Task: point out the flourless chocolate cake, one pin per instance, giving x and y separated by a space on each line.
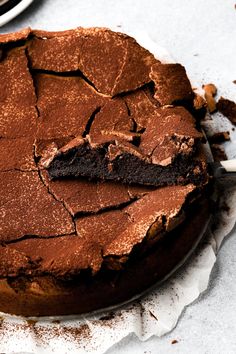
104 183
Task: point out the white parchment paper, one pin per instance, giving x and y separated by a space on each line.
155 314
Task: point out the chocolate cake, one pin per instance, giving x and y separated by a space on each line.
104 183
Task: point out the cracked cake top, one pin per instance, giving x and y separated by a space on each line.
61 86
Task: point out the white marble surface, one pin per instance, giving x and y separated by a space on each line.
201 34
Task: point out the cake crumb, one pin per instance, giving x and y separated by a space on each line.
174 341
219 137
218 152
227 108
199 102
210 92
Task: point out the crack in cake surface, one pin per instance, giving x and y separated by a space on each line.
84 197
33 146
89 235
17 101
26 201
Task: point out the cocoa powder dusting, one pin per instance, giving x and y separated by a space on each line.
225 207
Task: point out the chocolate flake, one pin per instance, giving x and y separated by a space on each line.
219 137
227 108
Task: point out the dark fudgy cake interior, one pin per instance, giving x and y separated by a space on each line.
91 102
165 153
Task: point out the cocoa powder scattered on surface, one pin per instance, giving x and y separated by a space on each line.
69 333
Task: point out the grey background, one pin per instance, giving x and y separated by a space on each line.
201 34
